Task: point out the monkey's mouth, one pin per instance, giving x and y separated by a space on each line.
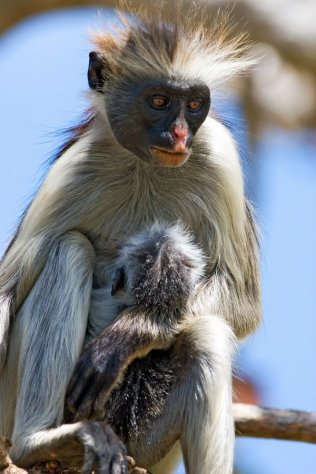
170 158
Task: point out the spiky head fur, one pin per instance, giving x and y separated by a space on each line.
163 41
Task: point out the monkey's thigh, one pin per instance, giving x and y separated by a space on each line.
141 409
47 337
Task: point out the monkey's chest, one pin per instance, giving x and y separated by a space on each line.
142 394
140 203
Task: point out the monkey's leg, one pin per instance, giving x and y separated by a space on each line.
170 462
198 410
46 340
208 434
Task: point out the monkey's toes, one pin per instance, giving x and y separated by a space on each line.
104 452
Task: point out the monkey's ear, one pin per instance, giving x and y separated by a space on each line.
96 71
118 281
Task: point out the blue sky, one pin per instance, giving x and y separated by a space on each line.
43 64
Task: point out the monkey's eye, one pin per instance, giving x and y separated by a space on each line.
159 101
195 105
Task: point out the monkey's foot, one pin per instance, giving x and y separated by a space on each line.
103 450
55 467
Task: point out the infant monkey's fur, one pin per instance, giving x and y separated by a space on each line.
142 335
158 271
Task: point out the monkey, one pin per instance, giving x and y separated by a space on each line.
151 151
159 269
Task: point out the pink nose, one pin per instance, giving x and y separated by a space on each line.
180 132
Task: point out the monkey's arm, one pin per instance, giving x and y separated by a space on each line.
233 289
53 212
103 362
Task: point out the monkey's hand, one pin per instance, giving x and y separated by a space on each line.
103 362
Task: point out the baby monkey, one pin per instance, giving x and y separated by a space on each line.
157 272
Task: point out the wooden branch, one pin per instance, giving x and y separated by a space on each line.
258 422
261 25
13 12
250 420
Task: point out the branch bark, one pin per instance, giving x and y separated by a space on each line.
261 24
258 422
250 420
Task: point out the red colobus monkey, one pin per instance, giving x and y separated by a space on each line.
135 268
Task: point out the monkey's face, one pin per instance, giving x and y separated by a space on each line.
157 121
154 119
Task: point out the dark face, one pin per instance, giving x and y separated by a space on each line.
157 120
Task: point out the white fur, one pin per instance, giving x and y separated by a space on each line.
209 421
38 368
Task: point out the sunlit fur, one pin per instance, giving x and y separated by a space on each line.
95 196
188 49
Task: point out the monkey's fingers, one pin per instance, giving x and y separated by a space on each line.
104 451
103 384
92 400
101 367
77 388
80 401
88 392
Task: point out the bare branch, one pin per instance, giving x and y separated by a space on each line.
247 14
258 422
250 420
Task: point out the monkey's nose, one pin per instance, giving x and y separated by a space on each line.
180 132
180 135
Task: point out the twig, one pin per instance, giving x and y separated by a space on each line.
258 422
250 420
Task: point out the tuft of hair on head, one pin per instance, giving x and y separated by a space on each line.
176 40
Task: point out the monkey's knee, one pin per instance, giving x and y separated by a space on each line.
76 246
162 265
211 341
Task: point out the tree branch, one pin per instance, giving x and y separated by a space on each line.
250 420
262 24
258 422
